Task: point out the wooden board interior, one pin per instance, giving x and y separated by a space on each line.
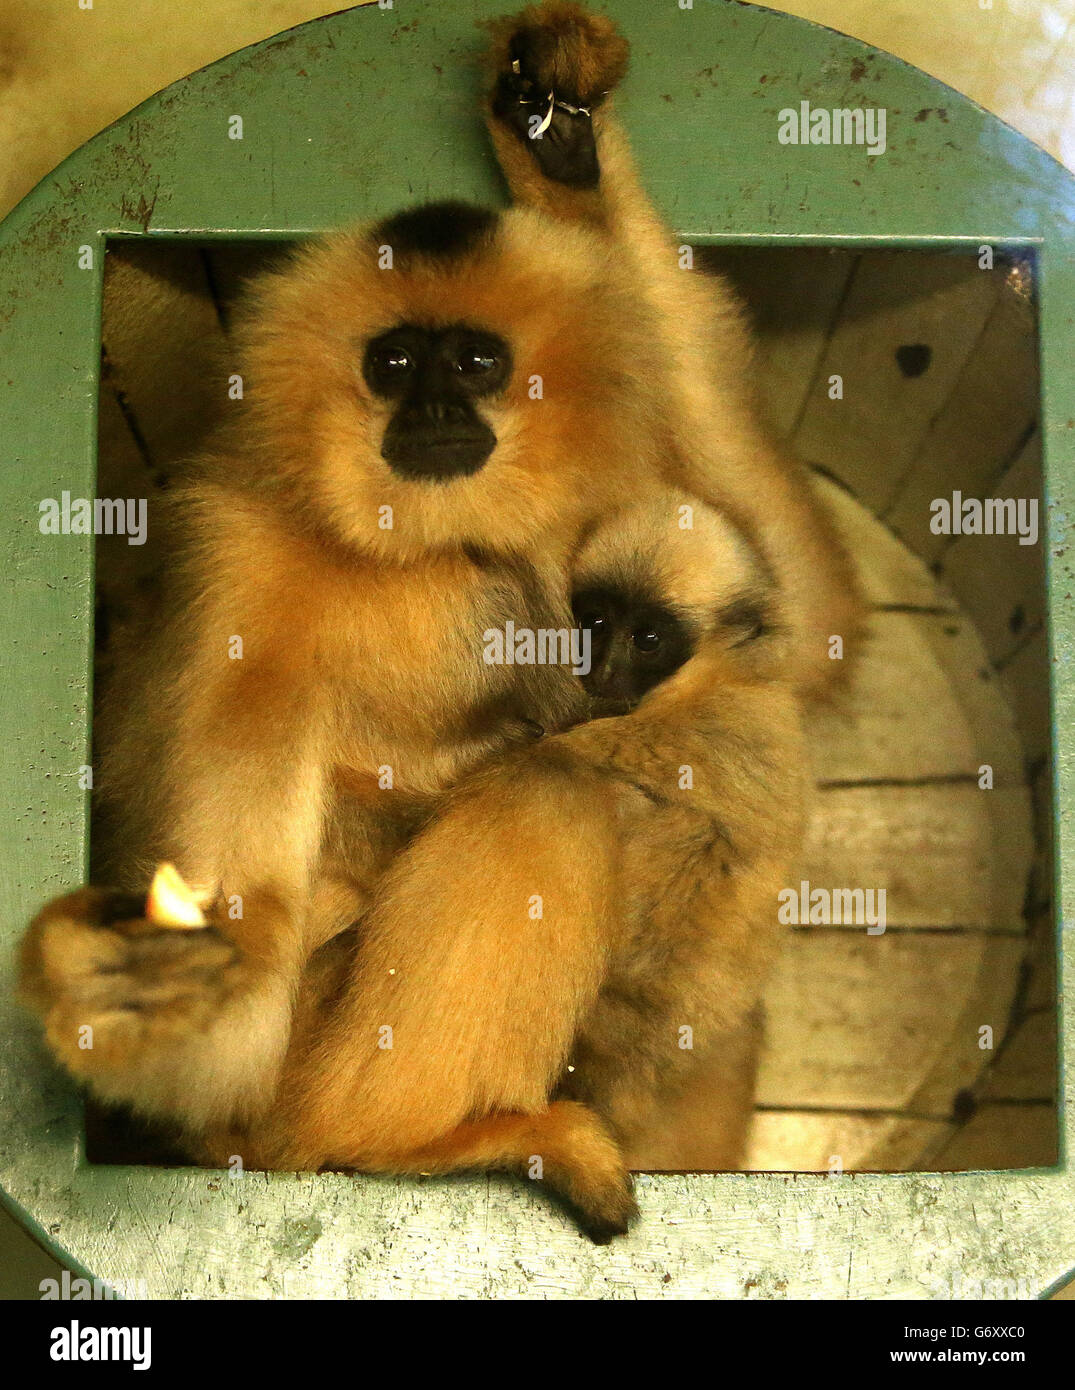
875 1054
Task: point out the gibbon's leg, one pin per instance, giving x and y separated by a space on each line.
581 170
485 946
566 1146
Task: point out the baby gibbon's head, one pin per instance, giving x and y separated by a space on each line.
654 582
449 376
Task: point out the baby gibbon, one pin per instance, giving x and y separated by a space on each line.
667 1053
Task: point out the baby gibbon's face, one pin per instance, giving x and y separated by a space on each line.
636 642
655 581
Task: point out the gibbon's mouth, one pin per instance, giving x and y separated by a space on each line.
438 456
608 707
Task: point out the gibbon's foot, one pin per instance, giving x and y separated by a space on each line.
112 987
585 1169
560 62
606 1212
566 1150
602 1199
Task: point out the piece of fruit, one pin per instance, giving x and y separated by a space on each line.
170 902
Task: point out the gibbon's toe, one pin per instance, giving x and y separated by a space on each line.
108 984
610 1213
602 1202
557 62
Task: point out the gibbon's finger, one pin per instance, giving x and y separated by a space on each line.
562 140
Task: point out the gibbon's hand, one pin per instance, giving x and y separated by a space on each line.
113 987
557 62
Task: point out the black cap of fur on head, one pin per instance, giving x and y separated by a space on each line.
442 230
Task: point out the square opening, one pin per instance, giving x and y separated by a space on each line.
908 381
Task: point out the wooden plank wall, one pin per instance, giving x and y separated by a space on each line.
873 1043
164 367
938 360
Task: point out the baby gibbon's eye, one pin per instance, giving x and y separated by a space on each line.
646 639
593 620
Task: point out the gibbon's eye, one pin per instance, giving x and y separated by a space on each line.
392 361
596 612
476 361
646 639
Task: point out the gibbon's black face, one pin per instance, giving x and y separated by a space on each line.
635 643
435 377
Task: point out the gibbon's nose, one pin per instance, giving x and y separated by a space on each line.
609 678
436 438
440 410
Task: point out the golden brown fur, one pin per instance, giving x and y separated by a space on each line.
718 749
361 646
716 445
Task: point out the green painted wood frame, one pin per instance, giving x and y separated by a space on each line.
351 116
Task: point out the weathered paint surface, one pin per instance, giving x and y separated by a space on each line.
355 115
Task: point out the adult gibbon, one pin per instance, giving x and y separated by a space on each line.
425 441
392 486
